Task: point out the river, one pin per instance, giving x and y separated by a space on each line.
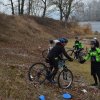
95 25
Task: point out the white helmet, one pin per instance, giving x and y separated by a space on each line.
95 38
56 41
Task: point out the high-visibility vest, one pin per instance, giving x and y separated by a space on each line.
95 54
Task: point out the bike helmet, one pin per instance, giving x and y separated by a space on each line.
63 40
51 41
95 38
93 42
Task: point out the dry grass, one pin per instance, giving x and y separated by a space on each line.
22 38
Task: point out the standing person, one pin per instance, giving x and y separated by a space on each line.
94 56
97 42
78 46
54 56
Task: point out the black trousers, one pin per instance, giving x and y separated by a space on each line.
53 68
95 71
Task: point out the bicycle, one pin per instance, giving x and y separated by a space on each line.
37 73
72 53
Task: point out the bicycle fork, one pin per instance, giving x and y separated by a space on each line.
65 74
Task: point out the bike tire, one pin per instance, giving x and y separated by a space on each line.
63 81
81 56
45 53
37 73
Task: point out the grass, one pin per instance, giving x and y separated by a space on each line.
82 70
14 83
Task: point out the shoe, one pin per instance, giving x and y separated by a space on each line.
94 84
52 81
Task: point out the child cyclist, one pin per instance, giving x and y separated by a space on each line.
78 46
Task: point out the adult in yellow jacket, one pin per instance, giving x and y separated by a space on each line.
94 56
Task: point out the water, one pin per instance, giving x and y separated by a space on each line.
95 25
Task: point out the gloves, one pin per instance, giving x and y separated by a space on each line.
82 61
71 59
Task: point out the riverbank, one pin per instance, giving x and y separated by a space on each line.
95 25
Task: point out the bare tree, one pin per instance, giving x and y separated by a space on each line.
92 11
22 7
59 4
19 11
40 7
29 6
67 10
46 5
36 8
65 7
12 7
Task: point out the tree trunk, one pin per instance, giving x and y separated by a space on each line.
12 7
61 11
19 12
68 12
61 14
22 7
29 7
45 7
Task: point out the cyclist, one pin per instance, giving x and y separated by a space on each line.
94 55
78 46
54 56
97 42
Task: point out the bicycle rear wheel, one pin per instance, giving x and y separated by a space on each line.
37 73
65 78
45 53
81 56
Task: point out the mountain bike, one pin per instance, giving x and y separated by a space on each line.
37 73
72 53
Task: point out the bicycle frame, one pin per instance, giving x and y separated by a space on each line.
61 64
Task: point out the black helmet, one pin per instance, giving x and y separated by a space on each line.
93 42
51 41
63 40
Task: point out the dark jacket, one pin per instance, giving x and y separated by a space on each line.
56 51
97 43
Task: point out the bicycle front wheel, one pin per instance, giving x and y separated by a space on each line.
37 73
65 78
